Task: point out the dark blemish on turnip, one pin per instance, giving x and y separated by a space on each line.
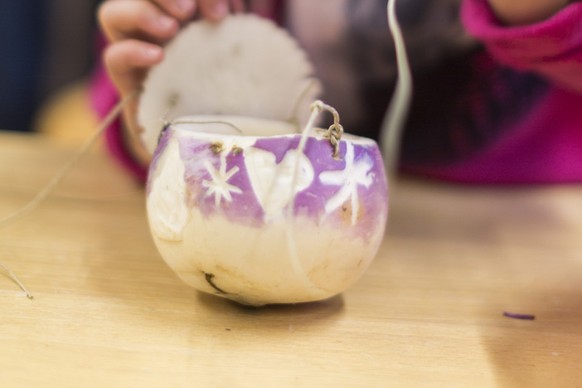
210 280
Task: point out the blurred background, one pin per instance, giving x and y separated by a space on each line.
49 51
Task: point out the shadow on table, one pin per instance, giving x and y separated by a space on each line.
278 318
328 307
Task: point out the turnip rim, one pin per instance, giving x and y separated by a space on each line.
332 133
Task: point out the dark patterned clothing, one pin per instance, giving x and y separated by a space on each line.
471 96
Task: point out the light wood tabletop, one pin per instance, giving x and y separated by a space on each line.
108 312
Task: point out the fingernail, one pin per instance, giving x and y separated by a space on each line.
152 52
165 22
186 6
220 9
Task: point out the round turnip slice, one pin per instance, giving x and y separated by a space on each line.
245 66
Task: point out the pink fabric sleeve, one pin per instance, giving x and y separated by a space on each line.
103 98
552 48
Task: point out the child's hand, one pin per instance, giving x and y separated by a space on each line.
138 30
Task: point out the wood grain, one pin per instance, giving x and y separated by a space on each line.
108 311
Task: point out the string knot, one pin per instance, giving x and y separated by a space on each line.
336 130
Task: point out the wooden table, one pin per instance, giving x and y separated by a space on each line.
108 312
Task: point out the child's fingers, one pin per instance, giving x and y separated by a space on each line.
122 19
179 9
214 10
127 61
237 6
217 9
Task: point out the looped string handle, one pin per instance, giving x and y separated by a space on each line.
335 131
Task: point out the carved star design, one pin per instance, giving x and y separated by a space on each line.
218 184
353 175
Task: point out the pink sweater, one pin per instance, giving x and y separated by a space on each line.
543 146
546 144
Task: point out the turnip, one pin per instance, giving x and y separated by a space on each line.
231 216
245 198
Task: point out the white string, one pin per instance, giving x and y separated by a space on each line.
15 279
316 108
394 120
58 177
294 118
